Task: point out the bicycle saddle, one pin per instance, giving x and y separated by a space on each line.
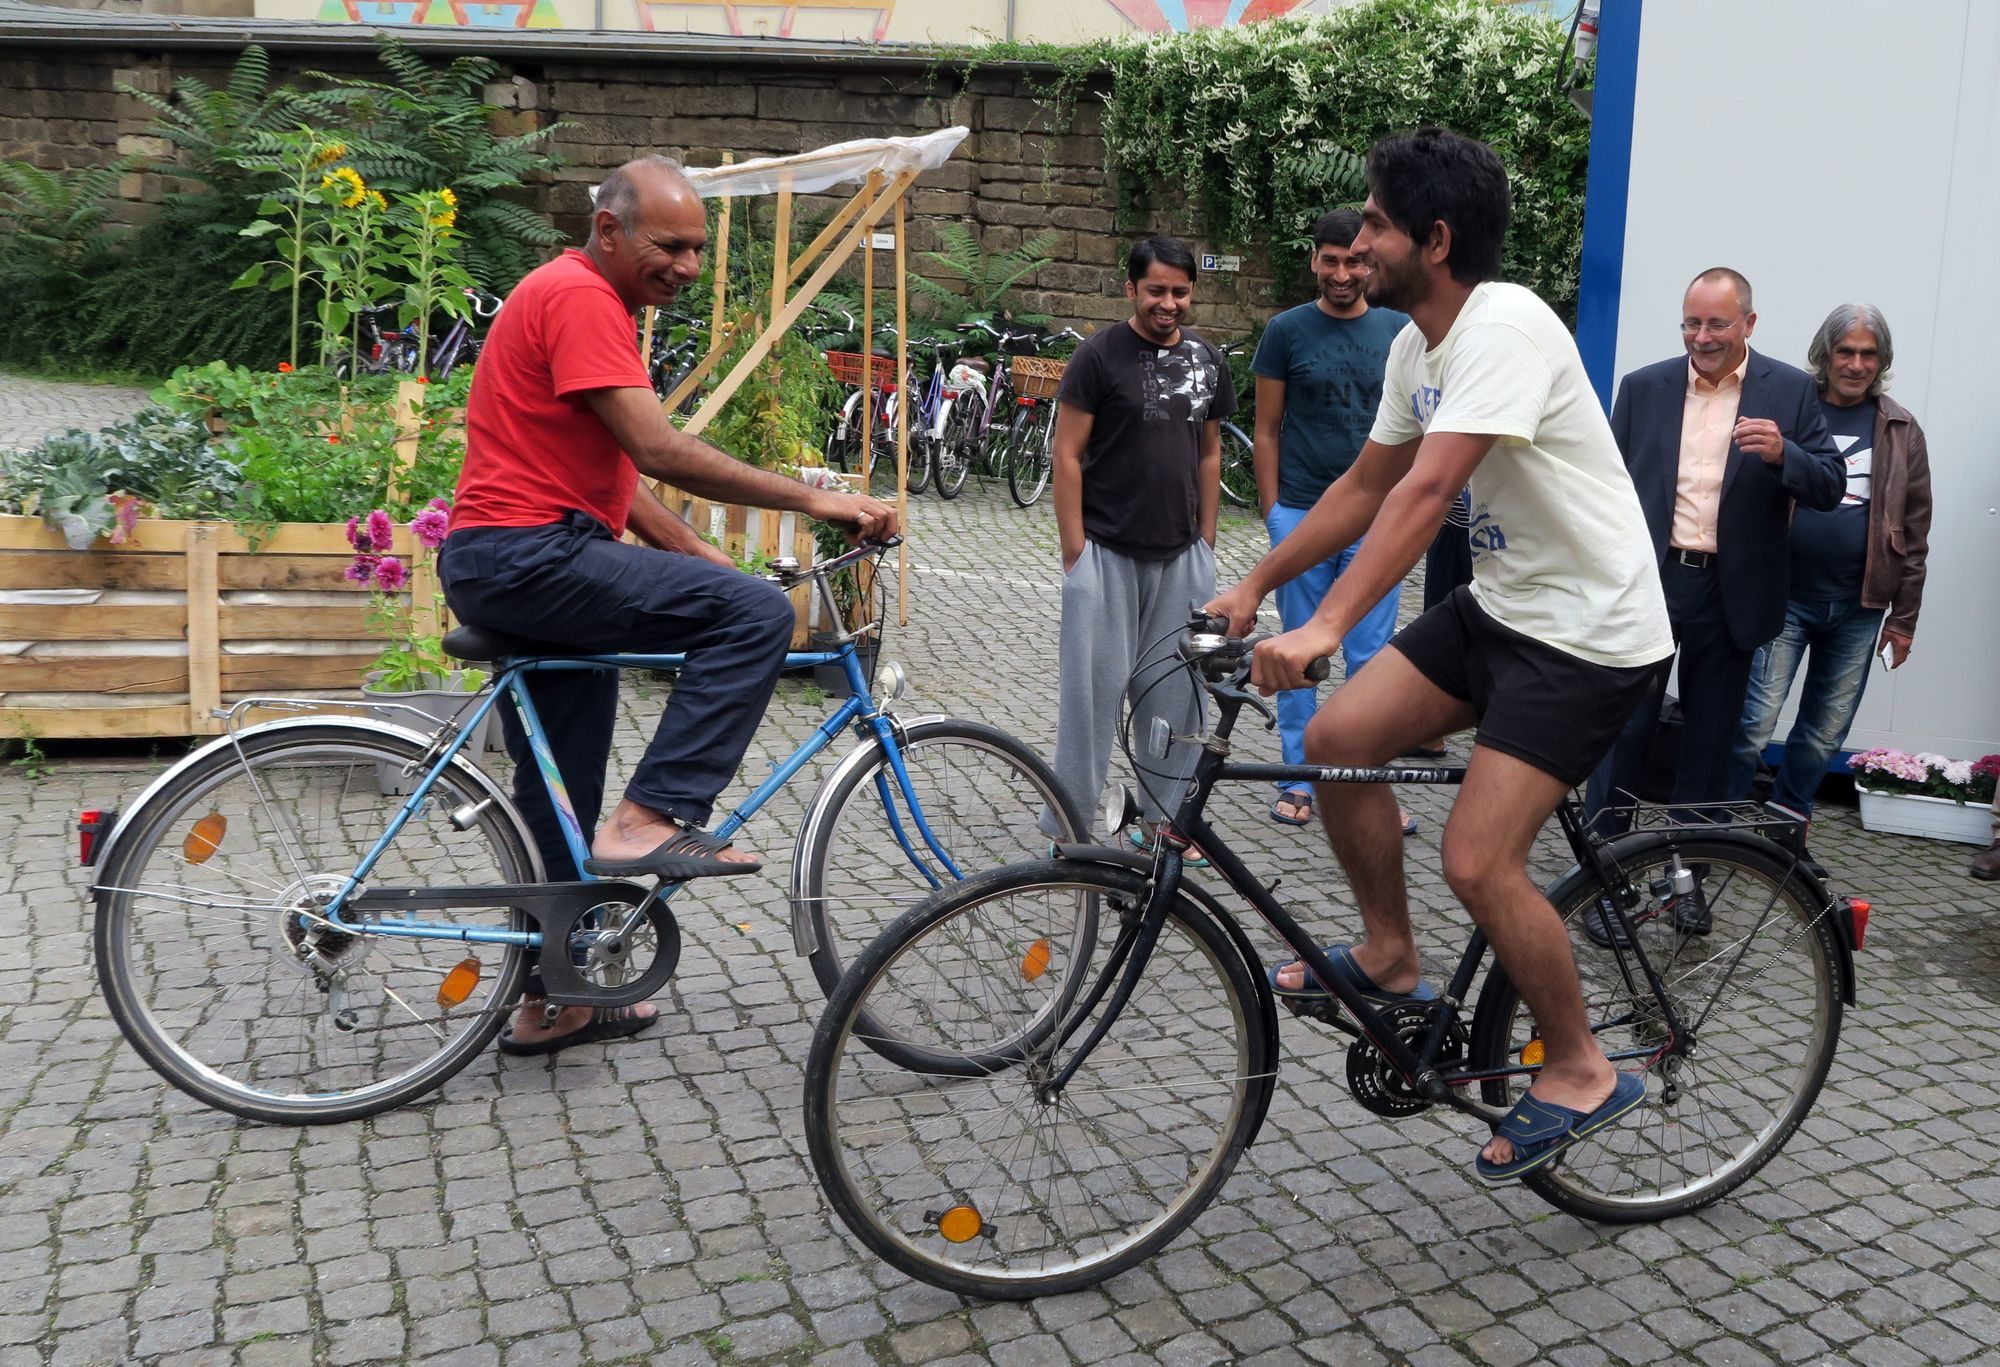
483 645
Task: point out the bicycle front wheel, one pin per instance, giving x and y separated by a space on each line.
985 798
1239 468
1748 960
221 971
1028 454
985 1183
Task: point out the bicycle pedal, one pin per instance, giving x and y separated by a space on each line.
1322 1009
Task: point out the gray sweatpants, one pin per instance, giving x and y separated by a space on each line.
1114 607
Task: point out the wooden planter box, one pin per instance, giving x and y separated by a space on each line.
742 530
150 637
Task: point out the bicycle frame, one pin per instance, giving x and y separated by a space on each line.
859 710
1126 963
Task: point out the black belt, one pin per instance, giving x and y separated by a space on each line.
1694 560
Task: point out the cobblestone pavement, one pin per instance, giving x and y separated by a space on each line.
650 1202
31 409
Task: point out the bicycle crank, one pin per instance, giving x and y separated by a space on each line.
603 943
1375 1082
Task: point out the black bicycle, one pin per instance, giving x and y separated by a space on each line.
1102 1087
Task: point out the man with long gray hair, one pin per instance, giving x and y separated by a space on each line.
1852 565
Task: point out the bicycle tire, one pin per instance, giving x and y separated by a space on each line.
843 442
1028 454
1655 1165
294 819
984 794
953 459
1239 467
856 1115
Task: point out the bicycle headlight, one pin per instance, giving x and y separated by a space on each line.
890 683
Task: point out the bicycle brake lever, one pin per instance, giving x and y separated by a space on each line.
1257 704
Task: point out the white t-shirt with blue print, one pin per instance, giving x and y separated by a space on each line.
1560 550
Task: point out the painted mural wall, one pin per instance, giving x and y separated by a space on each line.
893 21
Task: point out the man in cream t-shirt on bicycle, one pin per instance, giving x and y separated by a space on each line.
1561 633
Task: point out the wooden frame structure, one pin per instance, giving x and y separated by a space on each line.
852 227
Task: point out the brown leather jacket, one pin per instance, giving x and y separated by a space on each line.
1899 518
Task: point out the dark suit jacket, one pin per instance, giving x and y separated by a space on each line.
1754 524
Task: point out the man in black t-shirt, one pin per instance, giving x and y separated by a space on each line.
1851 565
1138 464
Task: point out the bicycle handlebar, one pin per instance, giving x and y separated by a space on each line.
1207 644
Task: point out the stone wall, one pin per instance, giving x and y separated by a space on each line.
1014 177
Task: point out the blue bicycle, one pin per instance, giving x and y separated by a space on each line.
322 917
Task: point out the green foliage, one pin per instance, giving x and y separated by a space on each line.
86 486
159 297
987 278
311 447
53 238
430 126
1253 131
778 419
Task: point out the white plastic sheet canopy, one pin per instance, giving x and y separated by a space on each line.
841 163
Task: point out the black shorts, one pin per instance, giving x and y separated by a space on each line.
1541 705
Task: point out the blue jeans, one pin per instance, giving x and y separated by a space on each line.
1297 601
1841 637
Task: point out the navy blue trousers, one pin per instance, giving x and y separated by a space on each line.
571 584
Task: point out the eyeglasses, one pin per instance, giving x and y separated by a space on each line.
1693 328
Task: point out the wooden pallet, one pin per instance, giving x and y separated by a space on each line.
220 616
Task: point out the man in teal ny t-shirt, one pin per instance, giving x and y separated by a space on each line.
1319 381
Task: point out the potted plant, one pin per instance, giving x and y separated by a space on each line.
1926 795
407 611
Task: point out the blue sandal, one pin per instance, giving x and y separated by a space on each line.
1352 975
1540 1130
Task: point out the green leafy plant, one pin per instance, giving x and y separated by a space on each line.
431 126
987 278
297 214
311 446
86 486
778 418
31 762
426 243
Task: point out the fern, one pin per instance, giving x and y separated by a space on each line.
987 277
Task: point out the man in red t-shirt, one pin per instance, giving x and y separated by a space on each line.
561 423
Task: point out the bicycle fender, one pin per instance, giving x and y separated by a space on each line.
1267 1005
1817 894
488 788
860 756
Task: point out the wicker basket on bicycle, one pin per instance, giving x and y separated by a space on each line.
848 367
1036 377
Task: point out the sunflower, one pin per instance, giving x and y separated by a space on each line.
356 190
332 152
377 203
450 214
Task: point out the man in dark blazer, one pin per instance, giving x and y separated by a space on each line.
1721 444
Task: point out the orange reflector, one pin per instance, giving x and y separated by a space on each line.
458 983
1036 961
204 837
1858 910
959 1224
1532 1055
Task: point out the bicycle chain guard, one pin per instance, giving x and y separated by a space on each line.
628 971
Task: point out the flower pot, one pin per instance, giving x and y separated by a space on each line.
1933 818
832 678
439 705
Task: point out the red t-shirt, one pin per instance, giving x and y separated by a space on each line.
533 448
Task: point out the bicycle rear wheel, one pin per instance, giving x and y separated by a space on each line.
1749 961
1028 454
983 1184
219 970
1239 468
863 860
952 461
